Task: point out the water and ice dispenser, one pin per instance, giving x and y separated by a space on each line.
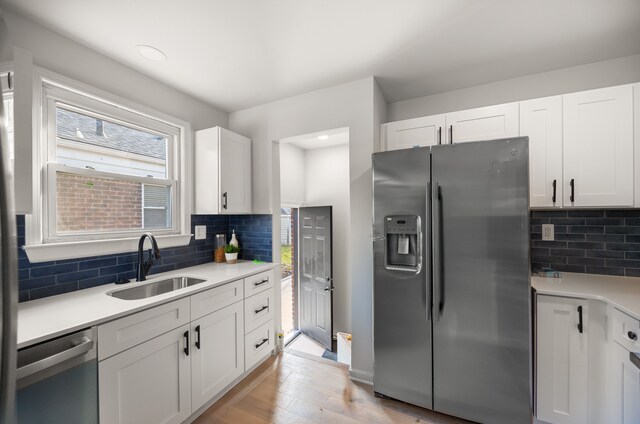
403 250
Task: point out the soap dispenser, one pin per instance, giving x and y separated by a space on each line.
234 240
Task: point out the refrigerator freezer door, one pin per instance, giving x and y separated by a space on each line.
402 331
482 327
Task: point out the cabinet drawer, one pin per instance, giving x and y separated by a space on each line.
258 283
123 333
258 309
258 344
625 329
215 299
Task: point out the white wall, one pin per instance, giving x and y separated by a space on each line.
6 47
60 54
292 175
585 77
347 105
327 184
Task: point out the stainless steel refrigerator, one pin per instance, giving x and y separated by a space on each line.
452 310
8 280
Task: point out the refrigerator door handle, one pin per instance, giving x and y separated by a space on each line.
438 262
419 252
427 277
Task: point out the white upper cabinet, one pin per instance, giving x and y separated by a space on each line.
425 131
484 123
541 121
598 147
223 172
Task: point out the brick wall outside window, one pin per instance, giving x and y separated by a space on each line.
93 203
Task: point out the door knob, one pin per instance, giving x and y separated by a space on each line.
328 288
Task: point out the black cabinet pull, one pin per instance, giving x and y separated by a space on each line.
259 283
198 337
186 343
450 134
261 343
580 319
553 198
633 336
224 200
257 311
439 136
573 187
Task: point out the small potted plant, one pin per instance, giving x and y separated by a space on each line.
231 253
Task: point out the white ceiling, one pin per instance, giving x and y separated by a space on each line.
240 53
335 137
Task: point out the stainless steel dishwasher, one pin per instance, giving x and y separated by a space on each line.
57 380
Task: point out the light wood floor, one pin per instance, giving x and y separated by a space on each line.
300 389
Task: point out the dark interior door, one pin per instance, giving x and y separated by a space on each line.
316 276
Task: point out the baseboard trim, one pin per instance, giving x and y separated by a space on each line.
359 376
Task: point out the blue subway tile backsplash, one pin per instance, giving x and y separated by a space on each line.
38 280
588 241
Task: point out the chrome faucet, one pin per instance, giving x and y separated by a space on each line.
144 267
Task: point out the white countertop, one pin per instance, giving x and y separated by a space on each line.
622 293
43 319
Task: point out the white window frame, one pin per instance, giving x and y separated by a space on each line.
6 75
42 241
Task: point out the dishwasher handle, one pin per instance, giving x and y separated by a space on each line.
85 344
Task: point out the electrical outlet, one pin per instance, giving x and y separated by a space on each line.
548 232
201 232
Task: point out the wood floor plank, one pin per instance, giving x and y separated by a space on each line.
293 389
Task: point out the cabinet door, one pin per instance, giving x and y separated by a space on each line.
149 383
598 147
235 173
485 123
425 131
626 388
561 364
541 121
218 352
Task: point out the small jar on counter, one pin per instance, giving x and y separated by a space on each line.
219 242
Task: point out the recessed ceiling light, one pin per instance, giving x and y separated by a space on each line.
151 53
323 137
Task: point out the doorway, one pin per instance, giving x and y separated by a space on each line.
314 218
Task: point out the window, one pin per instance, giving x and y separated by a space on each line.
106 175
109 173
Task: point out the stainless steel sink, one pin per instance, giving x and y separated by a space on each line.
144 291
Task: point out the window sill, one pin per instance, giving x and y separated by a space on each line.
83 249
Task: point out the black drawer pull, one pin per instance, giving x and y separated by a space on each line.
261 343
259 283
198 337
580 319
257 311
633 336
186 343
553 198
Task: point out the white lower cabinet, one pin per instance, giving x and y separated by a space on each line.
218 354
625 374
258 344
149 383
166 377
626 388
561 365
